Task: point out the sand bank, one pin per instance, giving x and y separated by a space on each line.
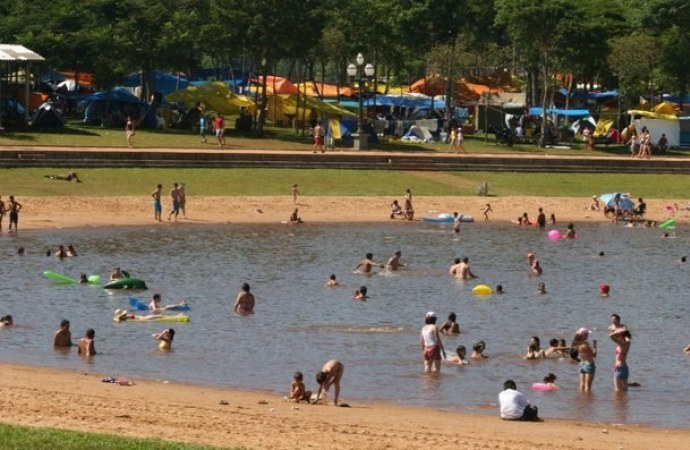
76 212
80 401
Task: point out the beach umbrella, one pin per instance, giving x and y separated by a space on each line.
624 204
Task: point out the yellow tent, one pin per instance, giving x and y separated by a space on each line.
603 126
215 95
284 108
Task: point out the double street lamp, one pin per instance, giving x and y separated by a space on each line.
358 71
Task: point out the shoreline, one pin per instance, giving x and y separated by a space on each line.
43 213
78 400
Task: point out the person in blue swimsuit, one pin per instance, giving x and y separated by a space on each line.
157 208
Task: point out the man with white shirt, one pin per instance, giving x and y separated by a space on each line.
514 405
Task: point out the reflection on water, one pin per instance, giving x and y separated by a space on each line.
299 324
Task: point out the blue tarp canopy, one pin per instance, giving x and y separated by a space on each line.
118 95
537 111
591 95
404 102
163 82
231 83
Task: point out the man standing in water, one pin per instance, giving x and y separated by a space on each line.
63 336
541 219
157 208
244 305
366 264
175 202
462 271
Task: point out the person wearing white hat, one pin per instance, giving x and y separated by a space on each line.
585 354
432 347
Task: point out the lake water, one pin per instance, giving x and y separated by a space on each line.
299 324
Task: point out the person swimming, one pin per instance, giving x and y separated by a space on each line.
360 294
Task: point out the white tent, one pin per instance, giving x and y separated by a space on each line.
657 127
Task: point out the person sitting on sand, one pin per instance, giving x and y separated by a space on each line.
298 393
451 326
478 350
86 344
6 321
594 204
460 357
331 283
164 338
155 305
63 337
360 294
514 405
396 210
295 218
330 375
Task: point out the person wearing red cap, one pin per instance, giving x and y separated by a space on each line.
604 290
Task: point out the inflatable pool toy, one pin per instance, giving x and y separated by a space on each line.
93 279
448 219
668 224
133 301
544 387
554 234
482 289
445 216
126 283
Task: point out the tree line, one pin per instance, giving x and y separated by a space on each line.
636 46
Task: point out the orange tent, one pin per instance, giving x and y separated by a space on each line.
432 85
274 85
85 79
325 90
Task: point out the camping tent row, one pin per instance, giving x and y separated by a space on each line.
662 119
414 101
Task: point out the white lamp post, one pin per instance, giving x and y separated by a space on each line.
360 142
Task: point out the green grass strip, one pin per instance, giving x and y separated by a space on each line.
333 182
16 437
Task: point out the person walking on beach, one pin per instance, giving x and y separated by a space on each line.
182 191
202 127
367 263
219 129
409 210
63 337
487 210
621 372
86 344
318 138
157 207
432 346
295 193
330 375
13 207
129 131
244 304
514 405
174 202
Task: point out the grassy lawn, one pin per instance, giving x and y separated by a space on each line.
78 135
331 182
22 438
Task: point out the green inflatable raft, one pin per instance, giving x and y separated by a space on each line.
126 283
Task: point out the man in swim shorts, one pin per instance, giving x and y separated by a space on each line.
367 263
174 202
394 261
157 208
13 207
330 375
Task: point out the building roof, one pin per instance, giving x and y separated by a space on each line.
18 53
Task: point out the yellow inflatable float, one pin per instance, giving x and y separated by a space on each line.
482 289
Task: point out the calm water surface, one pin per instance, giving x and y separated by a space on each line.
299 324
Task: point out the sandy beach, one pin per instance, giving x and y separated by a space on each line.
81 401
82 211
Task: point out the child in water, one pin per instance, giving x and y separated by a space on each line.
331 283
451 326
360 294
541 289
550 381
298 392
478 350
460 357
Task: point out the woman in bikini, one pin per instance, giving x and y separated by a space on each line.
622 338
